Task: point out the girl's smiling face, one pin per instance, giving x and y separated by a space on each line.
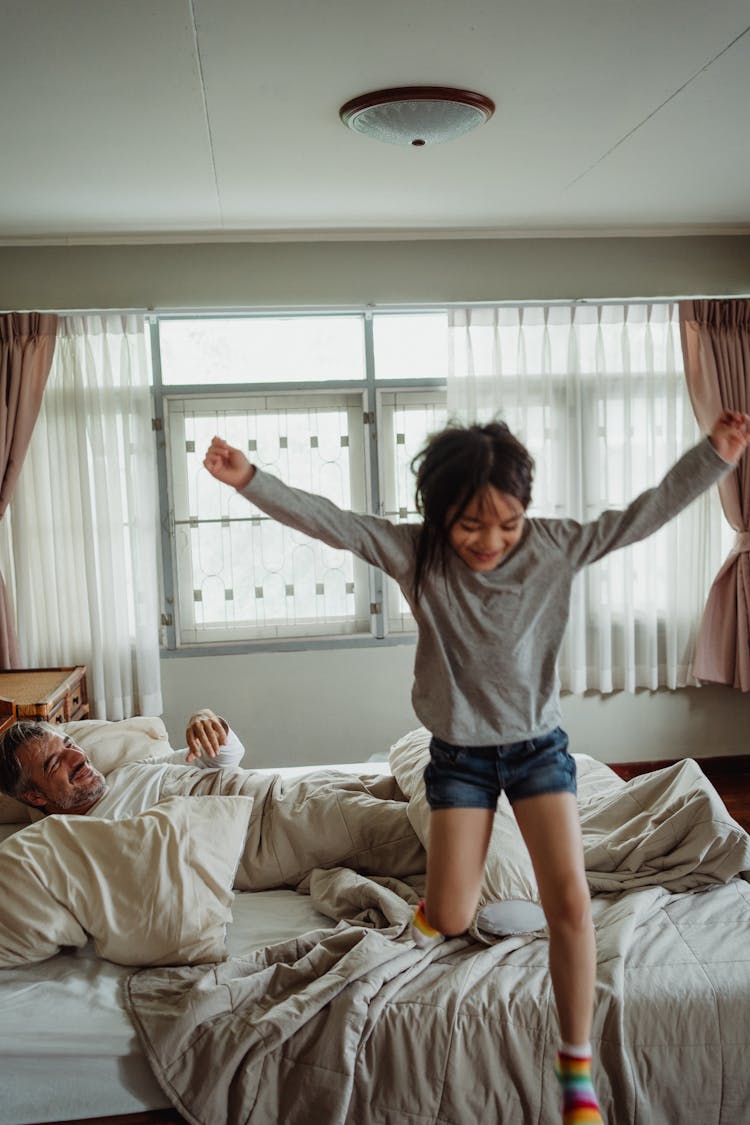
488 529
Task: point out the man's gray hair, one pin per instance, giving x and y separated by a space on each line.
13 779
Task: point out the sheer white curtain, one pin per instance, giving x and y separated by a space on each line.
597 393
84 519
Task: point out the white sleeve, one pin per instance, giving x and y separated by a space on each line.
230 754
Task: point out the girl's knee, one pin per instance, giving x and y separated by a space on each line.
572 909
568 906
449 919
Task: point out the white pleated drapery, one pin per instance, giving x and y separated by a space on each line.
84 519
597 393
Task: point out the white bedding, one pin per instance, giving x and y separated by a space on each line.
67 1048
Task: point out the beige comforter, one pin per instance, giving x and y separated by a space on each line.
669 827
322 819
355 1025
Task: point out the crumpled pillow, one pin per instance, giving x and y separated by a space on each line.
112 744
108 745
154 889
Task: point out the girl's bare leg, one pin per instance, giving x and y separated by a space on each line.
552 832
456 852
550 826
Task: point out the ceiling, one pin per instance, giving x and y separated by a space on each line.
218 119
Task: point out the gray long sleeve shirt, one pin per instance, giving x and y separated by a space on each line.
485 671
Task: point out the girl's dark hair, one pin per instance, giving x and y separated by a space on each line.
451 469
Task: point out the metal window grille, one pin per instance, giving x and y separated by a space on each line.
248 576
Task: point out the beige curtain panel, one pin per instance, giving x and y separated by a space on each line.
716 350
27 344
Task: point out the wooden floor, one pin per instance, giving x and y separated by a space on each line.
730 776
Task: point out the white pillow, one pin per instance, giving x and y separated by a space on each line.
595 778
108 745
155 889
408 758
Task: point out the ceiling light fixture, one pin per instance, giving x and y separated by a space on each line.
416 115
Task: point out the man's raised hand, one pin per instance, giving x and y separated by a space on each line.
205 735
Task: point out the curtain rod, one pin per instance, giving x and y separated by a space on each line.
230 311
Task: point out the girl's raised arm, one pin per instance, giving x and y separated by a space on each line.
730 434
372 538
227 464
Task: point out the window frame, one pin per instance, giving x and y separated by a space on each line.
399 619
172 645
178 408
383 632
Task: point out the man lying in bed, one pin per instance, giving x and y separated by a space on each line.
45 769
324 819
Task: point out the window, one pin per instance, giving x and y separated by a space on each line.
241 574
283 349
597 392
407 418
340 404
411 347
300 397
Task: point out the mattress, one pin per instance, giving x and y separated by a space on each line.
68 1049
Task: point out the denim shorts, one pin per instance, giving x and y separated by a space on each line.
473 777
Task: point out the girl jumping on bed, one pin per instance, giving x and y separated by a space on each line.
489 589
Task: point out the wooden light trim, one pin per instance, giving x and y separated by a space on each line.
417 94
353 109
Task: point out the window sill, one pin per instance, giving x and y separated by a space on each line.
298 644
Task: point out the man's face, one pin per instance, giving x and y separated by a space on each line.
60 776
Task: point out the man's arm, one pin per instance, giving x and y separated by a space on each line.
211 741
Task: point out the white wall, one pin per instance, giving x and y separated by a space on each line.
693 722
262 274
335 705
344 705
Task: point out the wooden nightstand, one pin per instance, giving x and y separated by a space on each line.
54 695
7 714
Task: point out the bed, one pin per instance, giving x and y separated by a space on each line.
325 1012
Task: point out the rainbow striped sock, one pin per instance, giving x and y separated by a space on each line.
580 1106
422 932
